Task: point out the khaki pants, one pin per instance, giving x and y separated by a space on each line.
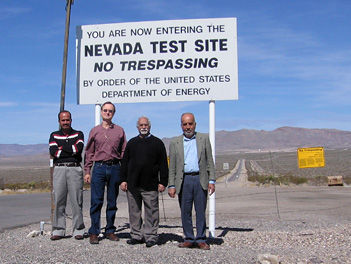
68 181
148 230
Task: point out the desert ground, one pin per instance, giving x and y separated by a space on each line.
300 225
27 169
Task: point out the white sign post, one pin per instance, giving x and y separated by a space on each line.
212 198
159 61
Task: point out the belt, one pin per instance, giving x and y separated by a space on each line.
67 164
108 162
192 173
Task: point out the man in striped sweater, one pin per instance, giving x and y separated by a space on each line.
66 146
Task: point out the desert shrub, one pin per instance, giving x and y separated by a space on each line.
31 185
318 180
289 178
297 180
347 180
280 180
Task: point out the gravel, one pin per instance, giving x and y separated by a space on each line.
244 234
290 242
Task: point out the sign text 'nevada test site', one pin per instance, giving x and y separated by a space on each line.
157 61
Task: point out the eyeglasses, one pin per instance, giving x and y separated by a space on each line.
107 110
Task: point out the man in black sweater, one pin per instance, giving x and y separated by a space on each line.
144 173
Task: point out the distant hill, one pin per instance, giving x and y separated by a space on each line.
23 150
248 140
280 139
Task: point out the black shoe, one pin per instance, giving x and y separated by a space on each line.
150 243
134 241
56 237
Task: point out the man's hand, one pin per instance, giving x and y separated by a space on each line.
171 192
124 186
87 178
161 188
211 188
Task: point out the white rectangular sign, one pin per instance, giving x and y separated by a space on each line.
157 61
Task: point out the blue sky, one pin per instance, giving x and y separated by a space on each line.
294 61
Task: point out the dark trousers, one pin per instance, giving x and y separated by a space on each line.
192 193
104 175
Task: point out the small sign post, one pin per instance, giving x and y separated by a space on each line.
225 166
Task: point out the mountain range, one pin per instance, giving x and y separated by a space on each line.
244 140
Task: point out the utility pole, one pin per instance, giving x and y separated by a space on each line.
65 54
63 92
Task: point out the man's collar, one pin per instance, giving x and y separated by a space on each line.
188 139
109 126
146 136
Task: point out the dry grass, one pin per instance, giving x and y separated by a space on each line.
23 191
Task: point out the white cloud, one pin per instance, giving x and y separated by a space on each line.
7 104
12 11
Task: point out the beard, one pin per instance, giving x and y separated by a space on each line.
144 131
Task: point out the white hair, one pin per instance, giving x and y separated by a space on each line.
148 120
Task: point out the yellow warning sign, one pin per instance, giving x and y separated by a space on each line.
310 157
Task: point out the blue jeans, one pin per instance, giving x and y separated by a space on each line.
104 175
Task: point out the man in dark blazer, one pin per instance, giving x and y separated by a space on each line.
191 177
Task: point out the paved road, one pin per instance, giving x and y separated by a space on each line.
24 209
238 173
234 200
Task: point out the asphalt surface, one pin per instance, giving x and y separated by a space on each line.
235 197
25 209
239 171
232 200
